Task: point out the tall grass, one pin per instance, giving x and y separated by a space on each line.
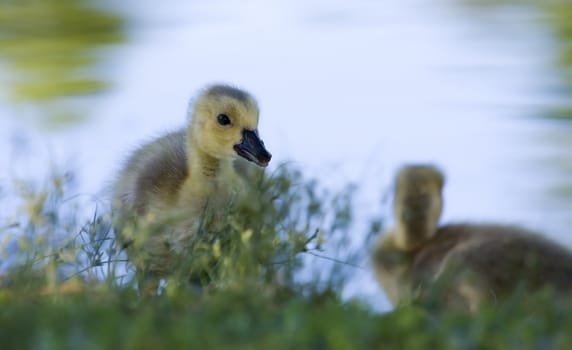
262 239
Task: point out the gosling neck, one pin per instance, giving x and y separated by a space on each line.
201 164
408 237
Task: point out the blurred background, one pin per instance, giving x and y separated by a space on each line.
349 91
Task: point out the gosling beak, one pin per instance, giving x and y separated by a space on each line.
252 148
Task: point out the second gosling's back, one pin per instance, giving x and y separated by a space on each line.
163 191
460 265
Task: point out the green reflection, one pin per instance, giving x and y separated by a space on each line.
51 49
557 14
560 18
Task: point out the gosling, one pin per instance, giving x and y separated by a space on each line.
460 266
167 185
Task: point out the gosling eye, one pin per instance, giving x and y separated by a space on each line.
223 119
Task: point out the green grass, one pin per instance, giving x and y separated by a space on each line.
244 319
250 298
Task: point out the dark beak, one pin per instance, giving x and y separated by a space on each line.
252 148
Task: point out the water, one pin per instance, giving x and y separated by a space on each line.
349 91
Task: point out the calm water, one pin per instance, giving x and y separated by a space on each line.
357 87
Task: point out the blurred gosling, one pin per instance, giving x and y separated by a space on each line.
166 185
460 266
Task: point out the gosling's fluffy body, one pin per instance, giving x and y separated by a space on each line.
162 193
154 174
462 265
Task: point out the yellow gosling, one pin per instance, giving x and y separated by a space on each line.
165 187
461 266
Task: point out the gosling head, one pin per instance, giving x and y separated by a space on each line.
417 204
224 125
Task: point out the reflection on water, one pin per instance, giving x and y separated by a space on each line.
556 15
51 48
555 159
349 91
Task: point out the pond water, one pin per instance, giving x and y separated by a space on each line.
349 91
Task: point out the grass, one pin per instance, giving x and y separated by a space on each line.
69 286
241 319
